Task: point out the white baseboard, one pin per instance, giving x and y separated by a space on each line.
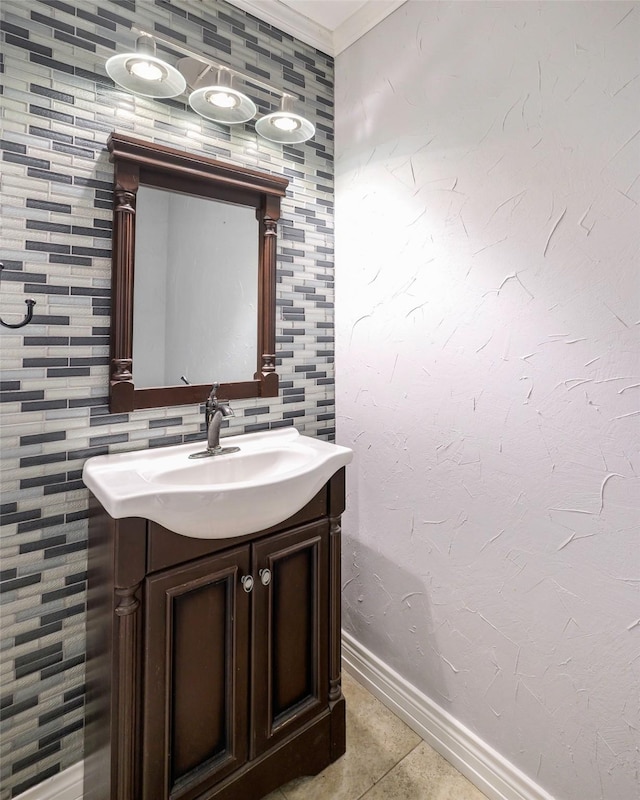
66 785
498 778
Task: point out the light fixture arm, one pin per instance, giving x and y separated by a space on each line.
287 103
146 45
207 68
215 65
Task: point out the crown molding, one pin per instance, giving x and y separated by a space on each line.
331 42
365 18
293 22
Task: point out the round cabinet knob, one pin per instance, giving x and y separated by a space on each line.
247 583
265 576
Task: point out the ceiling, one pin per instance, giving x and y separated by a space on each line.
329 25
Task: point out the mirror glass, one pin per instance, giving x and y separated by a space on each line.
195 290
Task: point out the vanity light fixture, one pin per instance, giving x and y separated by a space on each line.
143 73
212 94
285 126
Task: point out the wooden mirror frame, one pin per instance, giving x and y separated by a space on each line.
139 162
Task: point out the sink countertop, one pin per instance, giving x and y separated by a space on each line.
273 476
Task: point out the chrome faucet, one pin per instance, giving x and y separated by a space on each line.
214 411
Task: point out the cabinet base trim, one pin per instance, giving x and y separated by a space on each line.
307 752
487 769
65 786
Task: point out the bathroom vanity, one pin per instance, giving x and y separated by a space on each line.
213 634
213 663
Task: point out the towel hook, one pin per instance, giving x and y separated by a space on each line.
27 317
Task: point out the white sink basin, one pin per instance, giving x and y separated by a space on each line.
274 475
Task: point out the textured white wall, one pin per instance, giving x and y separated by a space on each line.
488 372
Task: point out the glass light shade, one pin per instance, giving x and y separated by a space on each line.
285 127
222 104
145 74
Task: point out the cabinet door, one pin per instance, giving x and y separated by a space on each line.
290 683
196 671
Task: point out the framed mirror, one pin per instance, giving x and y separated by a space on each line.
193 277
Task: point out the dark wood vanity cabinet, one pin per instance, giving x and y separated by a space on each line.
214 665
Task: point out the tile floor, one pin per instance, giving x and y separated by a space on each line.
385 760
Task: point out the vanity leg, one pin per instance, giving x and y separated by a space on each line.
117 555
127 692
336 700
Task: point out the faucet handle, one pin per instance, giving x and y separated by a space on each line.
212 400
214 403
211 404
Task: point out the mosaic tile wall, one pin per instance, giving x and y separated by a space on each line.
58 108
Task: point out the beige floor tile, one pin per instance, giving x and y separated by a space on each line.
424 775
376 741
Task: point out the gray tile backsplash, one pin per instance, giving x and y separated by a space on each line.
58 108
